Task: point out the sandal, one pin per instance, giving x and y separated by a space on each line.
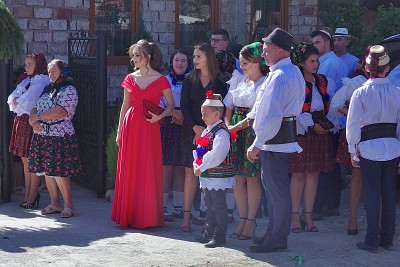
187 228
304 225
297 230
51 209
247 237
67 212
234 235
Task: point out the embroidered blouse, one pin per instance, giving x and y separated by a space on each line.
67 98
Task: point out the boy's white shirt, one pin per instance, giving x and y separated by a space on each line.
214 157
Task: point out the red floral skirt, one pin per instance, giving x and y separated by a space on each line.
317 154
21 136
343 155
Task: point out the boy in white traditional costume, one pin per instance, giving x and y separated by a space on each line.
214 166
373 136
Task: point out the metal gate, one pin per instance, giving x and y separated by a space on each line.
87 60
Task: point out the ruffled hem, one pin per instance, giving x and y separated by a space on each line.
217 183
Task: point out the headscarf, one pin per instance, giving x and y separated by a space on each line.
178 79
226 61
41 63
256 49
297 55
40 67
361 64
62 81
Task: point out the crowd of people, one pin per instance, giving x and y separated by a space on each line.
274 126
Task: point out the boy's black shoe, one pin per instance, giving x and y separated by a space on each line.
215 243
366 247
204 239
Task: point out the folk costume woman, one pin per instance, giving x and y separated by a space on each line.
54 149
21 102
338 114
239 101
173 165
313 137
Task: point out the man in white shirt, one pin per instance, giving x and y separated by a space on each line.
373 135
279 101
341 39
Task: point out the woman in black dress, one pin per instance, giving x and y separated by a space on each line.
204 77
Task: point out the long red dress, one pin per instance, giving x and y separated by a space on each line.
138 195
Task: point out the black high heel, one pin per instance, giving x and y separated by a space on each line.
246 237
34 204
22 204
234 234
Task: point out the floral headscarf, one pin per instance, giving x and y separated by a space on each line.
297 55
62 81
226 61
256 49
41 63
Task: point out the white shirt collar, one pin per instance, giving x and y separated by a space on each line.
209 128
281 63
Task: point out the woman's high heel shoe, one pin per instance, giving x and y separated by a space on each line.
304 225
297 230
34 204
246 237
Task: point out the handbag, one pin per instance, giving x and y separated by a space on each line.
320 118
153 108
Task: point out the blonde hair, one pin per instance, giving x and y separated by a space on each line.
150 51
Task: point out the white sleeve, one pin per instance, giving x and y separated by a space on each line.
269 112
353 127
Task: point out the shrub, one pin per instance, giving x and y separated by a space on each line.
112 155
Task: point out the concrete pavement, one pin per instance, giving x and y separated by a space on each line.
90 238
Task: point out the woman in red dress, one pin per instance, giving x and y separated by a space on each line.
138 196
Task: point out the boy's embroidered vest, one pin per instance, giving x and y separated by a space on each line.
226 168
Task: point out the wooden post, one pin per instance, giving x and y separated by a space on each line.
5 85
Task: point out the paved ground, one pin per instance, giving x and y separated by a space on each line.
91 239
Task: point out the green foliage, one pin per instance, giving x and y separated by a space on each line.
350 14
112 154
344 14
388 22
11 39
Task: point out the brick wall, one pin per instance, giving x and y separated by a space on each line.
46 24
303 18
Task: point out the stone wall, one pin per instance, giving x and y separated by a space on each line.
46 24
303 18
159 20
236 18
